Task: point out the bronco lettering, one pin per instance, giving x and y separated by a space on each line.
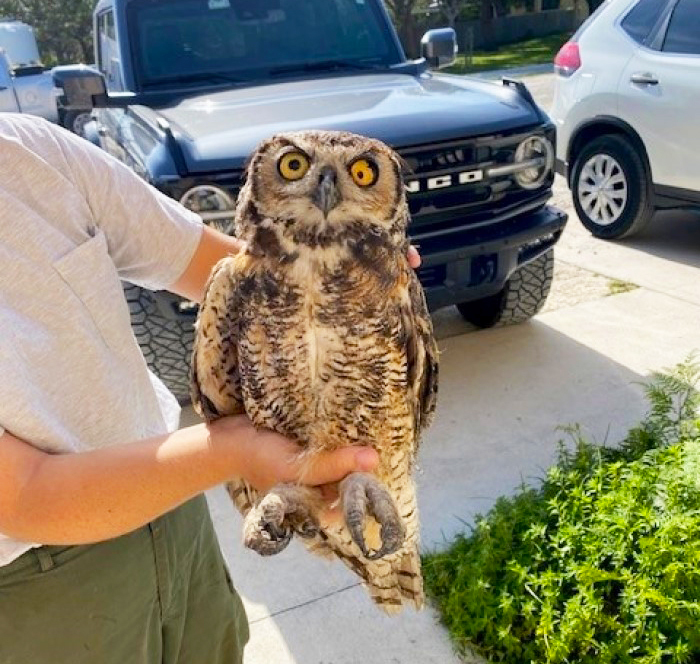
442 181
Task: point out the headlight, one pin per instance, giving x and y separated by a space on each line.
535 156
214 205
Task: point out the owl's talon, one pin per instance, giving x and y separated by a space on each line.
307 529
363 495
264 530
268 528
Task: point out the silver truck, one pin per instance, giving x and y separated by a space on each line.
26 86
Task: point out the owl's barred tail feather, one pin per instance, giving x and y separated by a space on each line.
399 585
393 583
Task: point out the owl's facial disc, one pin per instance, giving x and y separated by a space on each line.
326 196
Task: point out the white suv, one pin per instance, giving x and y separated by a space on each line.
626 104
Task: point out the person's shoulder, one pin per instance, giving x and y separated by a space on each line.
37 135
18 126
23 120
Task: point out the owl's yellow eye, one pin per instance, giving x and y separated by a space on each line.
293 165
364 172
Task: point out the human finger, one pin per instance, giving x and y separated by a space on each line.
328 467
414 259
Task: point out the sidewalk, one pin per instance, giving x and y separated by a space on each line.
503 394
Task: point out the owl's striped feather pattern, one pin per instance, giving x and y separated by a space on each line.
329 343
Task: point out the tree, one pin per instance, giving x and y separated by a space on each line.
404 15
451 9
63 27
486 10
490 9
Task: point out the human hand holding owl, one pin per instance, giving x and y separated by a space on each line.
268 458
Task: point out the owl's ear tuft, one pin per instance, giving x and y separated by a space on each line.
402 166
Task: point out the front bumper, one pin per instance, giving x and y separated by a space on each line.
479 261
465 265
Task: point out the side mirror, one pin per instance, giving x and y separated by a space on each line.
439 47
83 87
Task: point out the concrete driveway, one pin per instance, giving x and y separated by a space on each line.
504 393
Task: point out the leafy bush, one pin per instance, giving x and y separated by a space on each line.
601 563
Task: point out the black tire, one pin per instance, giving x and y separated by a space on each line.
521 298
75 121
165 343
632 215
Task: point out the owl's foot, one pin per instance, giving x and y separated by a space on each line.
363 495
269 526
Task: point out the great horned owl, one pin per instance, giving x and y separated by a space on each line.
320 331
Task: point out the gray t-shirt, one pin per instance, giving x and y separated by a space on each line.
73 222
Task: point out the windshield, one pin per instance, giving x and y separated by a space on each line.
185 40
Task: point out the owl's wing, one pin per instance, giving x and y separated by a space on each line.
421 353
216 382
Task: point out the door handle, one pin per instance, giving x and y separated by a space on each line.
644 78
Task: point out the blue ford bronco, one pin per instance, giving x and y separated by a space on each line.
187 88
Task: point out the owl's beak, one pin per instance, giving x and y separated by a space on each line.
326 196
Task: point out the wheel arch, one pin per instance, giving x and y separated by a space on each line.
603 125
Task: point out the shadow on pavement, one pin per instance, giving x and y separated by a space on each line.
673 235
504 394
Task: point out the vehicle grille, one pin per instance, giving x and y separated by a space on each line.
434 212
437 213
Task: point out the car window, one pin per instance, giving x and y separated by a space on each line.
683 34
107 49
180 37
639 22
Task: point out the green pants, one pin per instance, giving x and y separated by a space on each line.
159 595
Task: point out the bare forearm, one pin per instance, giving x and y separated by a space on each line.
213 246
87 497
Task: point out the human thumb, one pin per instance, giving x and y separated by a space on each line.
333 466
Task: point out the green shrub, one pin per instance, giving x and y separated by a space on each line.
601 563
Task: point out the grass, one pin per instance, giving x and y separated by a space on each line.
616 287
520 54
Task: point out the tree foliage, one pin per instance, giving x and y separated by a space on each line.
410 15
451 9
404 14
63 27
